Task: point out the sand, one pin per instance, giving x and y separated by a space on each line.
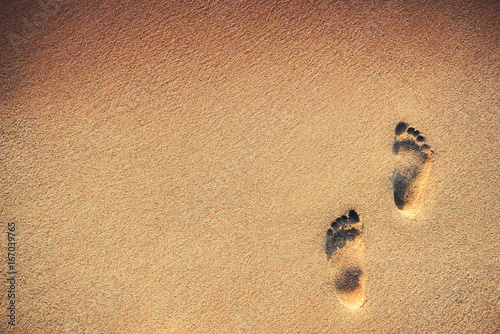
175 168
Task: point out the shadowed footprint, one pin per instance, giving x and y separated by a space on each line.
344 251
412 166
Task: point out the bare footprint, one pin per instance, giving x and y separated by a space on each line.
412 166
344 251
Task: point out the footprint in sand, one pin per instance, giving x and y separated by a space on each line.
344 251
413 161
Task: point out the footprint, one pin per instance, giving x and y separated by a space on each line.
412 165
344 251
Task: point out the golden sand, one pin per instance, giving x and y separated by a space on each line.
174 168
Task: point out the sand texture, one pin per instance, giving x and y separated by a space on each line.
250 166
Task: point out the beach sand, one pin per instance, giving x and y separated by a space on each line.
175 168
